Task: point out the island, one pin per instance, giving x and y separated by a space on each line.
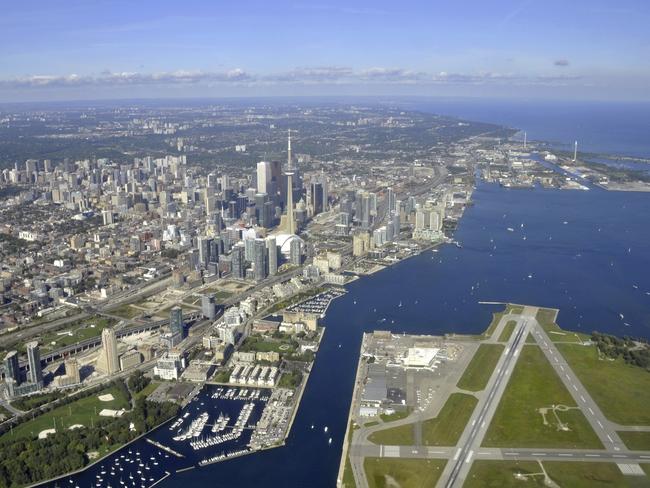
524 403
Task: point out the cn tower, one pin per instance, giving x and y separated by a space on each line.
291 224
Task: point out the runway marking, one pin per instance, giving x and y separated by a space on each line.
511 453
469 457
575 387
610 438
539 454
562 367
592 455
591 411
457 455
645 457
565 455
567 376
582 398
619 456
600 424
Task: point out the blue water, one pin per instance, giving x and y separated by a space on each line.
621 128
588 268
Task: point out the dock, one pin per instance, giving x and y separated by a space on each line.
165 448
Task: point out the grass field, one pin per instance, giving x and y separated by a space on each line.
498 474
621 390
394 416
517 422
79 412
637 441
546 318
403 473
444 430
507 331
496 317
480 368
78 331
127 311
147 390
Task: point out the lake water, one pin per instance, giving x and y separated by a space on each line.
621 128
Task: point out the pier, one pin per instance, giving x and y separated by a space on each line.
164 448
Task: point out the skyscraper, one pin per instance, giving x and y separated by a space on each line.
272 246
238 262
12 368
34 362
72 370
176 321
317 197
263 176
260 259
295 252
108 360
208 307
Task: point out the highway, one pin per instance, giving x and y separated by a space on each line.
456 471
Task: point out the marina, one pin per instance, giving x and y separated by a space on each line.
217 424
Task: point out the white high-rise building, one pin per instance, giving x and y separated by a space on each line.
263 176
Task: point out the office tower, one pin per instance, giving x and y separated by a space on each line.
72 370
291 222
295 252
391 200
238 267
204 245
263 176
273 255
277 188
260 259
108 360
34 362
249 248
176 321
317 197
12 368
208 307
262 210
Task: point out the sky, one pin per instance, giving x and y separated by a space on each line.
547 49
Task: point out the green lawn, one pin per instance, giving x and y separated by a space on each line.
501 474
637 441
91 327
147 390
403 473
480 368
546 318
507 331
79 412
621 390
395 415
127 311
444 430
517 422
496 317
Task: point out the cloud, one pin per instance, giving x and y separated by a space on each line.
561 62
298 76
